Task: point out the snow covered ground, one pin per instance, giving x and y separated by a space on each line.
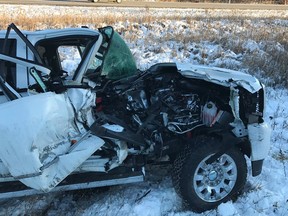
266 194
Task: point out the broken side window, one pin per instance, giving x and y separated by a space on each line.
118 59
70 57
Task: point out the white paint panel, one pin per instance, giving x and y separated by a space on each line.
37 130
259 136
31 125
64 165
220 76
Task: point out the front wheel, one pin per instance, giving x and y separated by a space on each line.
204 186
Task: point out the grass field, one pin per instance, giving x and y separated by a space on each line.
231 30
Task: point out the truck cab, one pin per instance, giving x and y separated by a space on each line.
46 49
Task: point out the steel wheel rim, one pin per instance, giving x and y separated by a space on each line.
213 182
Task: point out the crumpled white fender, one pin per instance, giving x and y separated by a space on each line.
220 76
36 134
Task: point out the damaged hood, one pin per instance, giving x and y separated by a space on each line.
220 76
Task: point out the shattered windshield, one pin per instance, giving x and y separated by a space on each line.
118 60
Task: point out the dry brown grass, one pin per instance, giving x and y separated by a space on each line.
232 32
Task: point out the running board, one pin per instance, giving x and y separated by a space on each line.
20 190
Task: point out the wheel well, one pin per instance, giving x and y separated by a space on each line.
187 163
223 136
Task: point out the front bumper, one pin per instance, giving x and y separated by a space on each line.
259 137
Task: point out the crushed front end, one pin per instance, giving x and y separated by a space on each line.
247 103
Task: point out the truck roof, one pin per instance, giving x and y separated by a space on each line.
51 33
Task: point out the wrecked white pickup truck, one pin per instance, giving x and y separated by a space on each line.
101 123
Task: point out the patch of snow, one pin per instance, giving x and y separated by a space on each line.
227 209
251 46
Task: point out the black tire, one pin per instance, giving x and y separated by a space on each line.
205 186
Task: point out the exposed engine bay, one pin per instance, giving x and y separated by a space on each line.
158 109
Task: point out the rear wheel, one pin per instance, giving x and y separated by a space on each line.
204 186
